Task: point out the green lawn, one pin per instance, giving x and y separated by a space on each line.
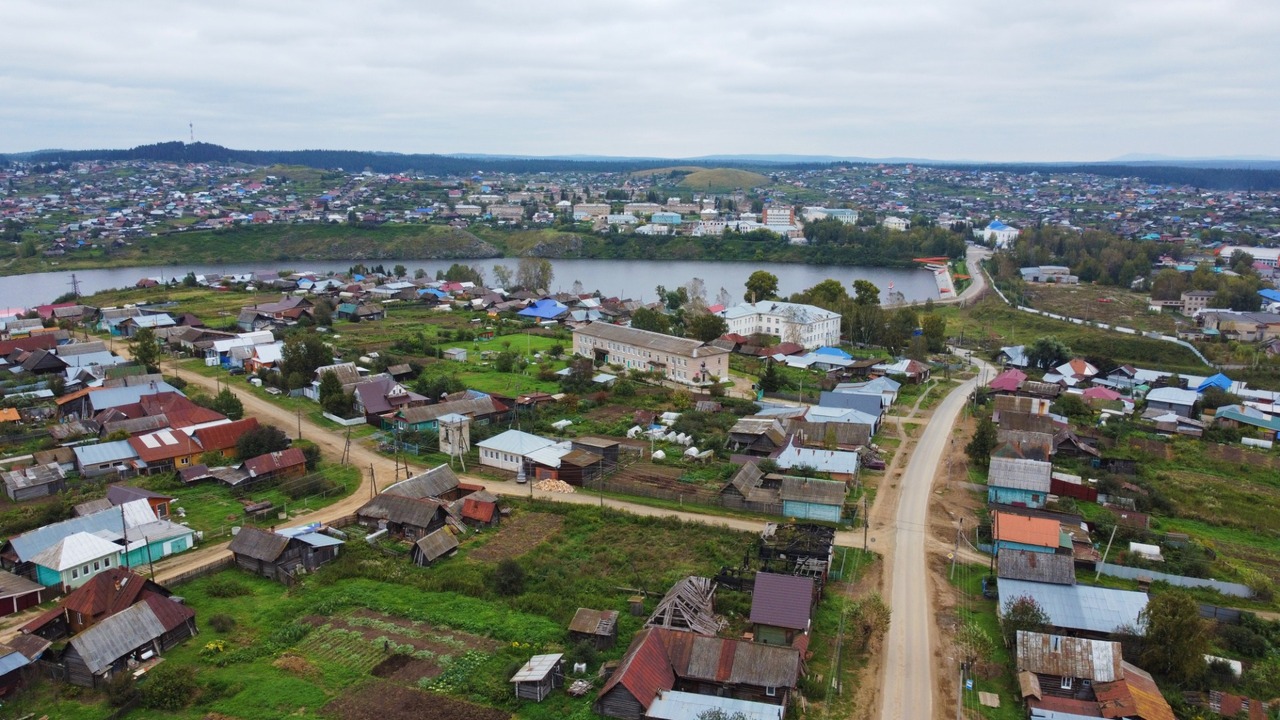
994 672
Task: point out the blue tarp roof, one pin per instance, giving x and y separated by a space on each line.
545 309
1219 381
837 352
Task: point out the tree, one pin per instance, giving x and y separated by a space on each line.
865 293
302 354
508 578
644 318
1047 352
464 273
770 379
502 276
260 441
146 350
228 404
706 327
1168 285
1022 613
534 273
169 686
190 280
1177 637
762 285
983 443
330 385
973 641
934 327
1072 406
898 331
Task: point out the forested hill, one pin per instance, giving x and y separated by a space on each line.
350 160
1209 178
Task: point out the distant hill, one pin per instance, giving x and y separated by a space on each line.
722 180
711 173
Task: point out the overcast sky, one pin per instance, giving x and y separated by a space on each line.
1009 80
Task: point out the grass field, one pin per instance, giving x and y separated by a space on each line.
1100 304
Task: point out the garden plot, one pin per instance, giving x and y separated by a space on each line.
518 536
368 641
379 700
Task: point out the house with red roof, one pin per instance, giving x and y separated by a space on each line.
223 438
286 463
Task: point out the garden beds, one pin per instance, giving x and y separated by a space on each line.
518 536
378 700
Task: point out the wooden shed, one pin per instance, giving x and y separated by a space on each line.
599 627
433 546
539 676
280 555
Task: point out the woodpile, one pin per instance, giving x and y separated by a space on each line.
555 486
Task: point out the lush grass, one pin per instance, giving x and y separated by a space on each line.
973 607
214 508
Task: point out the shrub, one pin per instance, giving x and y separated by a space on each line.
508 578
120 689
226 587
169 687
222 622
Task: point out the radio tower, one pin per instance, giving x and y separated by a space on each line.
192 127
75 285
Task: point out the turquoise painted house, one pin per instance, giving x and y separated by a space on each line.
1015 481
809 499
70 562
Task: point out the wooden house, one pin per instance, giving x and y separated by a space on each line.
433 546
480 509
781 607
403 517
438 483
538 677
607 448
1012 481
137 634
661 660
598 627
286 463
18 593
33 482
283 554
104 595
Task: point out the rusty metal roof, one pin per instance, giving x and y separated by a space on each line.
1060 656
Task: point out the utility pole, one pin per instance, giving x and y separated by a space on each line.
866 522
373 485
299 413
1106 553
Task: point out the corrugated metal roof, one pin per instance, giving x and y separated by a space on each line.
809 490
649 340
75 550
594 622
782 600
258 544
515 442
135 513
675 705
118 635
1078 607
1020 474
1026 530
103 453
834 461
1044 654
433 483
12 661
537 668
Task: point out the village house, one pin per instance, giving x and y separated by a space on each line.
282 554
1012 481
402 517
34 481
781 607
661 660
101 597
134 635
1012 532
286 463
1083 677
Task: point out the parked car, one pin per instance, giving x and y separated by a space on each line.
236 371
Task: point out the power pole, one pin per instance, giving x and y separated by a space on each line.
299 414
346 449
373 485
866 522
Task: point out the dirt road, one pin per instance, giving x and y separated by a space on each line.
907 688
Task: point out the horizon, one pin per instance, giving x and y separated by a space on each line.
1089 82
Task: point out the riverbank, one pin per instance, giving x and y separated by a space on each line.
300 244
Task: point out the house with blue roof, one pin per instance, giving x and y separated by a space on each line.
545 309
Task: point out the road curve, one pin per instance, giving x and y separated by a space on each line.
907 687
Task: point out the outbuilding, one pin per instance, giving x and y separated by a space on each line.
539 676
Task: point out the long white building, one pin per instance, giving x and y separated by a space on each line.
805 325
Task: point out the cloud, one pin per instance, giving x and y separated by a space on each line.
983 79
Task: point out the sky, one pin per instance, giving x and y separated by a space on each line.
990 80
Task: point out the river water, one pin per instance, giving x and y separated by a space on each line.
635 279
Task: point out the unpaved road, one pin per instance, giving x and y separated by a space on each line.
907 687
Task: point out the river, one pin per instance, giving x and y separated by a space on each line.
635 279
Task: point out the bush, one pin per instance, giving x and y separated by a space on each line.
222 622
226 587
120 689
169 687
508 578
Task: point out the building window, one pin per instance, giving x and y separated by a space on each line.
1066 683
74 573
85 569
771 691
106 562
97 565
